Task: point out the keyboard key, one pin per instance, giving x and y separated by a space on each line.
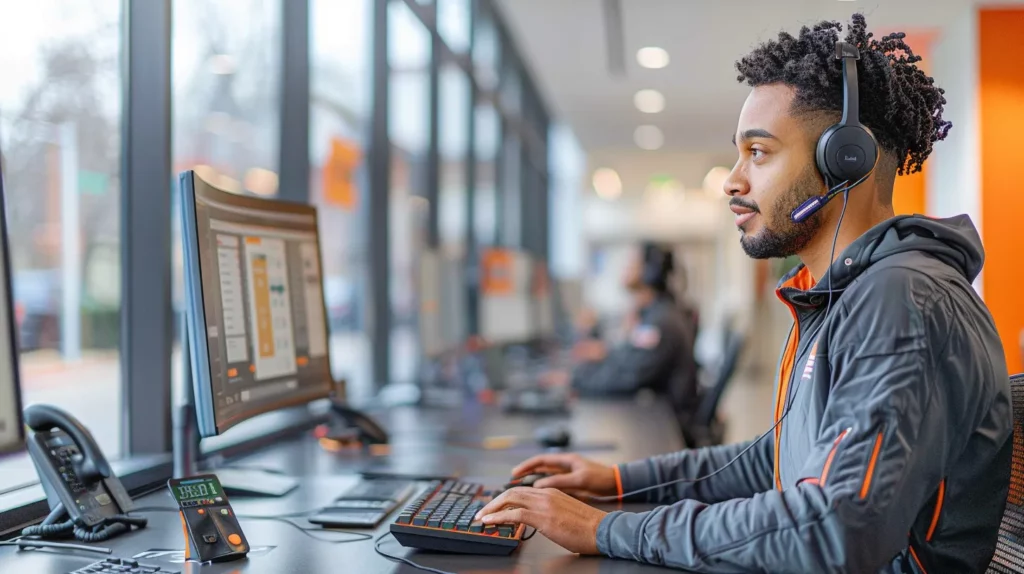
506 530
404 518
476 526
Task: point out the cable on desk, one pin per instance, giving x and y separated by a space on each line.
23 542
406 561
530 535
360 536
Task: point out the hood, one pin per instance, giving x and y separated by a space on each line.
954 241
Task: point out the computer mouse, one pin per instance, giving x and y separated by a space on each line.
553 436
527 480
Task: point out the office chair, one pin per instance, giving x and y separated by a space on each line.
1009 555
704 428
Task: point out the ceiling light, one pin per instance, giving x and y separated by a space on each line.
652 57
607 184
649 101
648 137
714 181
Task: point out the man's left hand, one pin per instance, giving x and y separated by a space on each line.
568 522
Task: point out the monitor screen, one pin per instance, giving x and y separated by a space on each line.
432 341
256 314
12 431
454 328
506 314
543 302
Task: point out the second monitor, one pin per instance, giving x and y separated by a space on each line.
259 340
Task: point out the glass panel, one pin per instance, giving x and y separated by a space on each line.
453 23
341 78
488 129
511 191
60 115
511 88
453 126
486 51
225 108
409 52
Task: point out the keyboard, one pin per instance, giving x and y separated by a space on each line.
122 566
365 505
441 520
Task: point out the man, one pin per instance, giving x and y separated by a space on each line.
893 436
658 351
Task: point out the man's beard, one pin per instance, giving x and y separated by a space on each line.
779 236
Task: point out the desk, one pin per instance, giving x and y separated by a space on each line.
418 435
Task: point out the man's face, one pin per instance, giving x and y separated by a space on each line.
774 174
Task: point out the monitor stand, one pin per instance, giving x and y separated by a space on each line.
185 440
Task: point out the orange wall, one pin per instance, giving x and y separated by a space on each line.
1001 102
908 196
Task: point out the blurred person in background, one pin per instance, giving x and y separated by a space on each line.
658 351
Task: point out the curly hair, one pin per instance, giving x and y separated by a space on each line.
898 102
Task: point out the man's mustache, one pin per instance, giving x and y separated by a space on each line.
744 204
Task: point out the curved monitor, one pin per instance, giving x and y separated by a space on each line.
12 431
257 323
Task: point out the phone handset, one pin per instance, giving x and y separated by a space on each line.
85 496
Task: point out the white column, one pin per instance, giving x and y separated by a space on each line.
954 178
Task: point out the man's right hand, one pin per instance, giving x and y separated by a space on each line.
572 474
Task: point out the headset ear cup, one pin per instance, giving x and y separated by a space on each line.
846 153
821 155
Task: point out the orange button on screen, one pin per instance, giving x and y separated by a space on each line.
202 512
235 539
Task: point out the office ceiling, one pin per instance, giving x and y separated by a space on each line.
566 44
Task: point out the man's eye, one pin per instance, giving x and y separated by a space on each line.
756 153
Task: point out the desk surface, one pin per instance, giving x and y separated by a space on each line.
422 440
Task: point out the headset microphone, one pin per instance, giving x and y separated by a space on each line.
846 152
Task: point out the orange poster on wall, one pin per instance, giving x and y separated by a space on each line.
339 174
497 272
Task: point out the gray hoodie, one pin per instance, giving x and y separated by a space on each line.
893 454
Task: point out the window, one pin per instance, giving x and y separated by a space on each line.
60 126
488 132
453 24
453 125
340 108
409 53
226 123
486 50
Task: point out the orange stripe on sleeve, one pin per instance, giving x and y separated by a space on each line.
871 467
917 560
618 481
938 510
831 456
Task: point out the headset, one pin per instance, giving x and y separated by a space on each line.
658 265
847 152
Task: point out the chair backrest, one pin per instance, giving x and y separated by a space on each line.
709 404
1009 556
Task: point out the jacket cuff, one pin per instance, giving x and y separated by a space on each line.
635 476
604 536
